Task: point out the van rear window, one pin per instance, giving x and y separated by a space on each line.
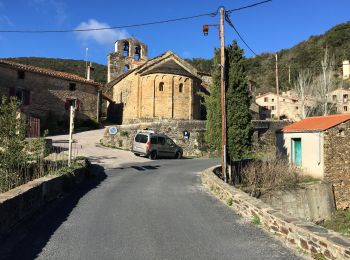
140 138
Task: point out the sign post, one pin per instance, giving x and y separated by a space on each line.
71 128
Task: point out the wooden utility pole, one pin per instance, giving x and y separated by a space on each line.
277 90
223 96
289 74
71 127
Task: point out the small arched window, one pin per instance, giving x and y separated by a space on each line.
181 87
126 68
161 86
126 49
137 54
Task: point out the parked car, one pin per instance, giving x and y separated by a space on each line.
154 145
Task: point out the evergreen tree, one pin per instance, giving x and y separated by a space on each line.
213 106
238 101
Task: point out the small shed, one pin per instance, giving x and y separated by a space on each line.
321 147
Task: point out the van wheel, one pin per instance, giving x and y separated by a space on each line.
153 155
178 155
137 154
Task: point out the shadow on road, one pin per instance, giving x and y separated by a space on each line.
28 239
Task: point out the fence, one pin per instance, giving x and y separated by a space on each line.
33 129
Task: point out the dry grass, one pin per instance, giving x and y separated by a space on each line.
261 177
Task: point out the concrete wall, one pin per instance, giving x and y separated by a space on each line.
294 232
312 202
48 93
311 150
337 162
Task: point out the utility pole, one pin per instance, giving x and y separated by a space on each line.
277 89
223 96
289 74
223 90
71 127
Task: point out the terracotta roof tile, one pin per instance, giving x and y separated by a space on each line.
318 123
53 73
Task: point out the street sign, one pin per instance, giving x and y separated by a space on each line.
113 130
186 135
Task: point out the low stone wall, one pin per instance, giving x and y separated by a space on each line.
194 146
312 201
21 202
295 232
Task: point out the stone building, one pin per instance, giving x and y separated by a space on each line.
162 87
43 91
339 100
321 147
128 54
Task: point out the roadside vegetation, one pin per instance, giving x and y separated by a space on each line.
23 159
340 222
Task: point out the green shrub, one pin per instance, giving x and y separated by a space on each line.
229 201
124 133
255 220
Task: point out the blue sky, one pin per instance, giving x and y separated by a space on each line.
279 24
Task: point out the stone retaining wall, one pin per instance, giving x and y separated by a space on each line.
21 202
296 233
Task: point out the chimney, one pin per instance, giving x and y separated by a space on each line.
89 70
346 69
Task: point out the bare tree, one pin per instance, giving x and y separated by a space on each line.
304 88
325 83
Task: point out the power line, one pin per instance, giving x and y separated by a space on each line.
227 18
213 14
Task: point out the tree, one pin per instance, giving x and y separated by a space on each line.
213 105
239 128
304 89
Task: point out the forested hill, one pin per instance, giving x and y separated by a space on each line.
305 55
71 66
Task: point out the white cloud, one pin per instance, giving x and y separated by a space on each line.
100 36
58 7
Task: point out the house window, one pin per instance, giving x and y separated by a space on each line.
266 107
72 86
273 107
181 87
22 95
161 86
345 98
126 49
137 54
345 108
272 100
334 98
266 99
74 102
126 68
284 99
21 74
296 152
296 108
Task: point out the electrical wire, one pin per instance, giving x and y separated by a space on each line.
213 14
228 20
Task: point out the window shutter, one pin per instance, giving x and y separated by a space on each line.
26 97
12 92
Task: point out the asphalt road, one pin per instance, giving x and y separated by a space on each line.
150 210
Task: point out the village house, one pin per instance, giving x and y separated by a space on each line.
165 87
43 92
339 100
320 146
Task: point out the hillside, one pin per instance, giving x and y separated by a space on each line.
71 66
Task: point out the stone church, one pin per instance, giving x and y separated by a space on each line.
165 87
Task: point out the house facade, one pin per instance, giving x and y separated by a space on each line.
340 98
320 146
165 87
43 91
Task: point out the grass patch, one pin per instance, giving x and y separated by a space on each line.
319 256
229 201
256 220
340 222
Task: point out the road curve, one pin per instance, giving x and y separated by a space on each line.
150 210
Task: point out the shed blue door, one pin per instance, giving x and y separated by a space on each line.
296 156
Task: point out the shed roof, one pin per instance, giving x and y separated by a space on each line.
317 123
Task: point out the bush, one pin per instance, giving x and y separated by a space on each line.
262 177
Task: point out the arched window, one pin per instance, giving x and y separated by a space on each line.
181 87
126 49
137 54
126 68
161 86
